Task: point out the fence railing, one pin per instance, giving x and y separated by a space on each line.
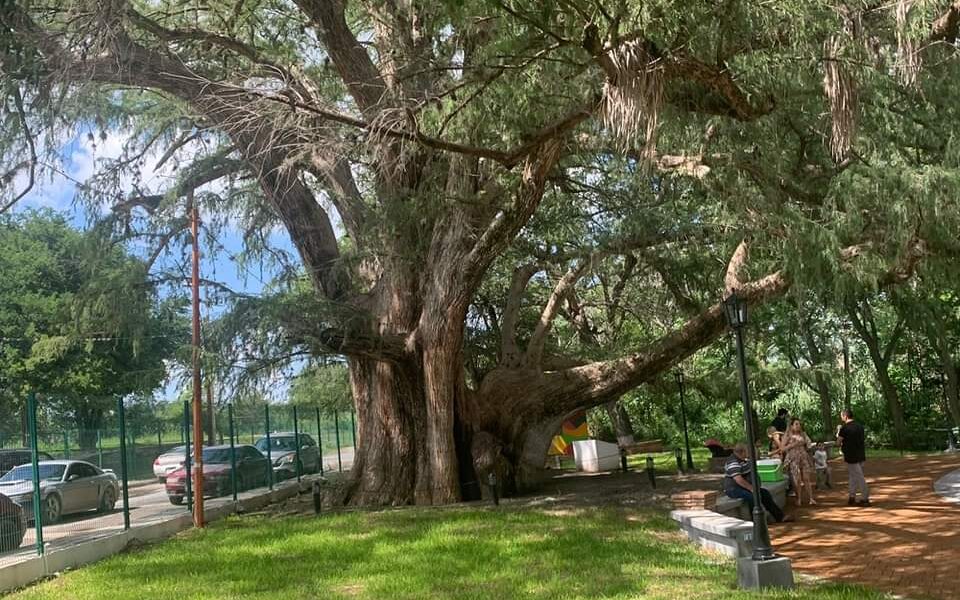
64 483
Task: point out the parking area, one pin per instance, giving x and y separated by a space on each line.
148 504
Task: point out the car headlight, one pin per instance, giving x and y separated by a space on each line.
285 460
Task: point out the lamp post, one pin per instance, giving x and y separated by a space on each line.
683 415
736 311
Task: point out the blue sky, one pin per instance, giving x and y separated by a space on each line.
57 191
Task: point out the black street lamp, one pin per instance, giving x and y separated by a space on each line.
736 310
683 414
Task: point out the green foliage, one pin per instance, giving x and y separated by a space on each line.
80 324
325 385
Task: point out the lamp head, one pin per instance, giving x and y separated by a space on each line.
736 310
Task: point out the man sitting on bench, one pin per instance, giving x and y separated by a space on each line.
736 483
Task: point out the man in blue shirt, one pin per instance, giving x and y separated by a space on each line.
737 483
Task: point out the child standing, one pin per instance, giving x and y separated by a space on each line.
820 464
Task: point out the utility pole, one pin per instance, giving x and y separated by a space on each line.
197 389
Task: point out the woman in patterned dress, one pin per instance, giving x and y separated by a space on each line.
795 447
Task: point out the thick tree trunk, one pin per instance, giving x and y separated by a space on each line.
951 384
948 364
892 396
821 384
620 420
826 404
953 392
89 420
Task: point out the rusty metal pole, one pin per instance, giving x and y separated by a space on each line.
197 384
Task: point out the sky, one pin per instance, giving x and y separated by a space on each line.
57 190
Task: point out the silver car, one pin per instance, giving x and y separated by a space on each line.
66 487
283 452
168 462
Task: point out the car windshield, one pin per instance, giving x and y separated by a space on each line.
217 456
177 450
281 444
25 473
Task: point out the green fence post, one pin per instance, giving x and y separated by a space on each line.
186 461
66 444
266 415
233 453
353 425
159 437
296 440
99 449
336 428
123 463
319 440
35 462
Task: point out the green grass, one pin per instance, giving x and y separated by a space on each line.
414 554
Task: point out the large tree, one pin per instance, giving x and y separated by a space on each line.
429 135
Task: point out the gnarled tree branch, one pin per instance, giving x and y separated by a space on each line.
549 313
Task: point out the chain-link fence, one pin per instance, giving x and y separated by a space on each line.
136 467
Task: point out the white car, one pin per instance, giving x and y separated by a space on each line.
168 462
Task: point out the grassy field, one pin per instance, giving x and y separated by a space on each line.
413 554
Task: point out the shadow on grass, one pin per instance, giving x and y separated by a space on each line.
443 554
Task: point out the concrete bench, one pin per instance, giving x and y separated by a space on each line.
735 507
721 533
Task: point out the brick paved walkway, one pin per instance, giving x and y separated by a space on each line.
907 543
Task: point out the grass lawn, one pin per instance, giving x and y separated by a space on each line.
412 553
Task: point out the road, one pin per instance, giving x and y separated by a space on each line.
148 503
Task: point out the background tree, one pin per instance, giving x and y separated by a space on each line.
79 322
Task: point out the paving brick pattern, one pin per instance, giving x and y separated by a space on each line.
907 543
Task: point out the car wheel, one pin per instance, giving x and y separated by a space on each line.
11 534
175 500
50 509
108 500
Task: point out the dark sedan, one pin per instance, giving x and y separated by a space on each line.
13 524
251 472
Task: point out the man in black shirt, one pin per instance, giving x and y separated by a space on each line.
852 442
738 483
780 423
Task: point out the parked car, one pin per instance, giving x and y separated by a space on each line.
283 453
66 487
9 458
168 462
13 524
251 472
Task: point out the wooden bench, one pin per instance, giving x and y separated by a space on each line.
647 447
721 533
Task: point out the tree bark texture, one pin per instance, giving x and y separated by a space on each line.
620 420
861 316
